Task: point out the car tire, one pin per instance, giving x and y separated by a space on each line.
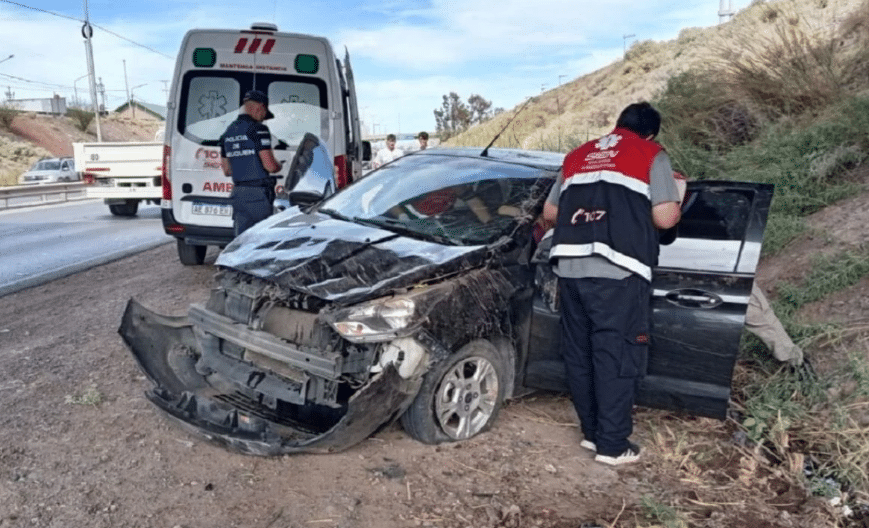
460 397
128 208
190 255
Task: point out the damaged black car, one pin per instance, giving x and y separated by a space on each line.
421 293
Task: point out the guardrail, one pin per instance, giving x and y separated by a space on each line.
30 195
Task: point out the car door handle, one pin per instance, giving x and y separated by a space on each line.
692 298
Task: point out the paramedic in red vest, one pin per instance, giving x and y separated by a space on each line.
246 155
613 195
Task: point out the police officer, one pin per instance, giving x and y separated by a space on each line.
246 155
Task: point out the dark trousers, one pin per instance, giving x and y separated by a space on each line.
604 341
251 205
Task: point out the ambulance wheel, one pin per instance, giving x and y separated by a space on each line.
190 255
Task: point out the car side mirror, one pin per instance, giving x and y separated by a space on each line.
366 151
306 197
312 173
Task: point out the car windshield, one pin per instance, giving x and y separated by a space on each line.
454 200
47 165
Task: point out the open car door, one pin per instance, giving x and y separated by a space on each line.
700 287
354 145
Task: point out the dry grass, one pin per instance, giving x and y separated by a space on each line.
17 156
588 105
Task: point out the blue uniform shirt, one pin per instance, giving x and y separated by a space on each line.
241 144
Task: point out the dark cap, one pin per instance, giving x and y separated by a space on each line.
258 97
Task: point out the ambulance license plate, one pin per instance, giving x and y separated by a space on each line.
200 208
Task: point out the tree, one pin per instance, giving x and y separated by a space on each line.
455 115
479 108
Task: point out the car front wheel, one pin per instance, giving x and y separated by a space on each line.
460 396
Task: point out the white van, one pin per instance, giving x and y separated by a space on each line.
309 91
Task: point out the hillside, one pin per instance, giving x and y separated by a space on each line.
33 136
777 95
588 105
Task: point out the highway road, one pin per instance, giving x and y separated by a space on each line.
39 244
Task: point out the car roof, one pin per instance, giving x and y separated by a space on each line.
533 158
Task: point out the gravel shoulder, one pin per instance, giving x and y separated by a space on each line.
80 445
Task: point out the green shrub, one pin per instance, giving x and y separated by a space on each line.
7 116
81 118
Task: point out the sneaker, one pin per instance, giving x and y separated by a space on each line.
629 455
588 444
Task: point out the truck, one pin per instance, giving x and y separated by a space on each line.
122 173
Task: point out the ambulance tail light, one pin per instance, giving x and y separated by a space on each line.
342 172
164 173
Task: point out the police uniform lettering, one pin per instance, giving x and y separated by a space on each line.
241 144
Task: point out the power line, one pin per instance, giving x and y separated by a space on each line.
42 10
94 25
35 82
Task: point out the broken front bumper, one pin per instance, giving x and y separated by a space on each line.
167 351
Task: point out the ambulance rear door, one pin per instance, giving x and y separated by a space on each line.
216 68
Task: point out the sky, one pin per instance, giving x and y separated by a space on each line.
406 55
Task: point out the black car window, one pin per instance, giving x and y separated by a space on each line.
715 214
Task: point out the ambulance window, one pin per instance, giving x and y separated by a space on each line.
299 107
212 103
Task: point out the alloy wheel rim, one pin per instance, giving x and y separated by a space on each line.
466 397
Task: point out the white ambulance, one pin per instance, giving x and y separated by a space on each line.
309 91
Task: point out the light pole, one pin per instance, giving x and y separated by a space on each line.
75 89
625 43
133 98
558 104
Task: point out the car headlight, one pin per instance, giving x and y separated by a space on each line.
379 320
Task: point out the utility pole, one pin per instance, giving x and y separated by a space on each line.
87 32
625 43
126 82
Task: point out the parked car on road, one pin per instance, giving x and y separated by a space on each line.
50 170
419 293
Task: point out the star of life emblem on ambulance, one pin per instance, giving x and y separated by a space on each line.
608 141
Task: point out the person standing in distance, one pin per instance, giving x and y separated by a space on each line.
387 153
613 194
246 155
423 140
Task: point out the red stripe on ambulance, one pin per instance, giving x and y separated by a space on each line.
254 45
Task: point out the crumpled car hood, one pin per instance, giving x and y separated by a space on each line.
340 261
